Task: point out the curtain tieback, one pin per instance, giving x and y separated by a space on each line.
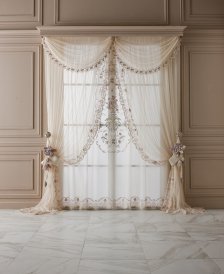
51 159
177 157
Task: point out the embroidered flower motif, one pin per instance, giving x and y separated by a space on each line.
132 129
113 135
109 203
100 101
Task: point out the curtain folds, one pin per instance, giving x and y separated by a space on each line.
147 54
83 104
51 200
146 72
77 53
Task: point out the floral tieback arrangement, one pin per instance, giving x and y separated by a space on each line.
178 152
50 159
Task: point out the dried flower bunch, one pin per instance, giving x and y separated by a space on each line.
178 152
50 158
49 151
178 148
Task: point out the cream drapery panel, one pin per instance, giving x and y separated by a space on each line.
134 58
141 58
51 200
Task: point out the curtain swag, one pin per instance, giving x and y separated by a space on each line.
123 48
111 60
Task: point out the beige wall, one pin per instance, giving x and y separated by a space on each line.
22 118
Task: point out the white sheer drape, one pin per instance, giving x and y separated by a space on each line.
113 173
84 96
139 73
120 180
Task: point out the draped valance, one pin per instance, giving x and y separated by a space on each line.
77 53
141 54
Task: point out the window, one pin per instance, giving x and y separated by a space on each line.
112 174
85 128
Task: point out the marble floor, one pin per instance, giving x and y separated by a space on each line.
112 242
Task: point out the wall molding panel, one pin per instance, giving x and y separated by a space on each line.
202 66
138 12
203 176
20 111
22 117
22 173
202 12
21 170
20 14
202 88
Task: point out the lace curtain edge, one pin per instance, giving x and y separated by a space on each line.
112 47
133 202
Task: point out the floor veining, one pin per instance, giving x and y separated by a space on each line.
112 242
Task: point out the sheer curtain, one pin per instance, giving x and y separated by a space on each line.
113 113
80 54
113 173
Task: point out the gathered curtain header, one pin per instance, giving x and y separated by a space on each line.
141 54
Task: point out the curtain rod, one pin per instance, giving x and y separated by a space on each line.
110 30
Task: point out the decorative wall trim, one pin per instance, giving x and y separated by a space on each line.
204 140
31 190
20 37
22 20
111 30
26 42
204 33
208 202
190 126
205 158
200 154
22 142
32 52
16 203
75 21
19 159
190 17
